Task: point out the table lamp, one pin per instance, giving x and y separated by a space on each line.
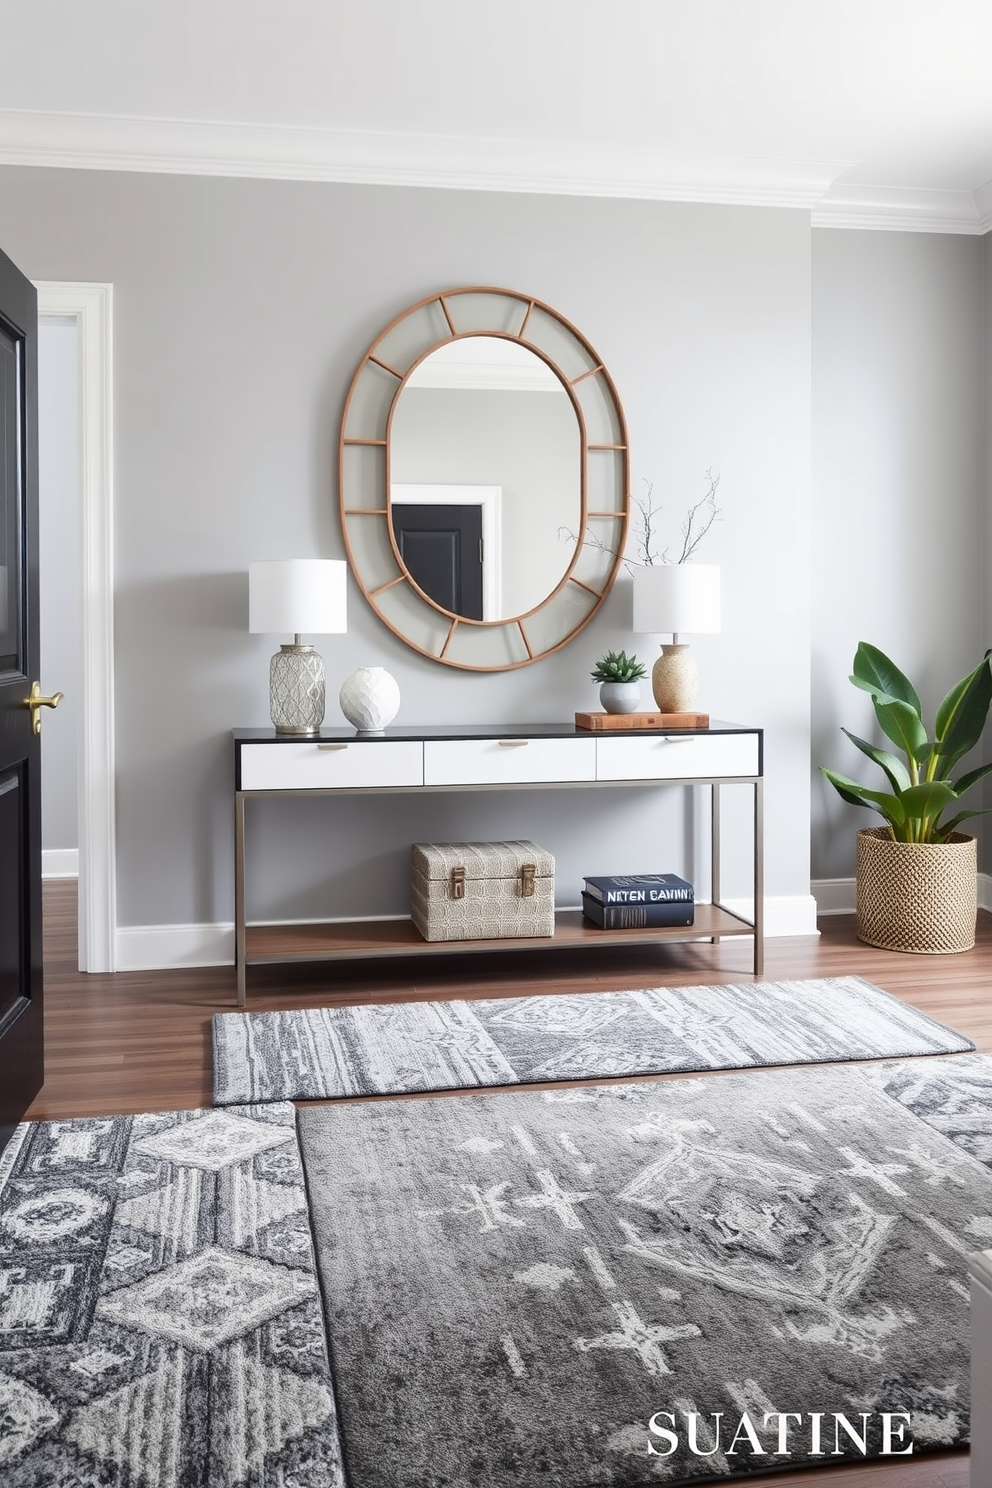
675 598
297 595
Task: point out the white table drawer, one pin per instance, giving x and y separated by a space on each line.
508 761
327 765
677 757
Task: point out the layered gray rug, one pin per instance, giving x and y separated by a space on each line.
525 1290
322 1053
160 1321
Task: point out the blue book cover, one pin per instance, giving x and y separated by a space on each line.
640 888
657 916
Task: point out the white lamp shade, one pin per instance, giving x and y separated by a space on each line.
677 598
298 595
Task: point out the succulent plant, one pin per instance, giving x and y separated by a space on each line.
617 666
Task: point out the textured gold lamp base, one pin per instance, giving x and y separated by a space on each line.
675 679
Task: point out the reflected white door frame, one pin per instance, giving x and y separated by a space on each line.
91 307
490 498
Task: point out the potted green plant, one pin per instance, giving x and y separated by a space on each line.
917 877
620 678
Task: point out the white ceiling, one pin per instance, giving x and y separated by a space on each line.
870 112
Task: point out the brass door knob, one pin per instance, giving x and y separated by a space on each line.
36 701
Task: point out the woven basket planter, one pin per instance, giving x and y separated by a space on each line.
920 897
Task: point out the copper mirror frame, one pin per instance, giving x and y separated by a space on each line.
364 480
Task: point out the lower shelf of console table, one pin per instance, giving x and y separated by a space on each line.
342 940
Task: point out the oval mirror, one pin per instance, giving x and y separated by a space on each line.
483 479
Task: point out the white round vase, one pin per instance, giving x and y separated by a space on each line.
370 699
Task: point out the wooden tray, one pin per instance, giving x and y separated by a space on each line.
608 722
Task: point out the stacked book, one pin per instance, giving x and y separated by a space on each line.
638 901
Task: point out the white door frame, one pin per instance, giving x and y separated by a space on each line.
91 306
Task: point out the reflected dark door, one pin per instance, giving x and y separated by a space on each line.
21 1044
442 548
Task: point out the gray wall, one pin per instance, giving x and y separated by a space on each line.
58 476
241 310
899 419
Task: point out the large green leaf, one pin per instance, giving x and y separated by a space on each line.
928 799
895 770
962 715
903 725
874 672
946 828
965 782
859 795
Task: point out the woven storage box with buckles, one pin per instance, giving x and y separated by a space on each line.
482 890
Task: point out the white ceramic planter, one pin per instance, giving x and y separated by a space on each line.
620 697
370 699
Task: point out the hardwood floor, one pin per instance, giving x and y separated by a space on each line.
141 1041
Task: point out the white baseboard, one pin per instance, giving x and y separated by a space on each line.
838 896
60 862
834 895
785 914
168 947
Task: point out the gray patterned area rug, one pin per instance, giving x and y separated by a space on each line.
399 1048
160 1321
527 1290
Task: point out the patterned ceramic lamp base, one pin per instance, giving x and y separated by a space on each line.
296 690
675 679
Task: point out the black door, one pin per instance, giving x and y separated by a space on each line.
21 1044
442 548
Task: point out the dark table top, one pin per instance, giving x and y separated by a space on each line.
481 731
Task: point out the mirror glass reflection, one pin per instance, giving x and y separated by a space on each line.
485 470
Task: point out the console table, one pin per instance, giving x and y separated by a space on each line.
486 758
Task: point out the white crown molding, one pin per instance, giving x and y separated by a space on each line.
114 142
888 209
983 201
203 147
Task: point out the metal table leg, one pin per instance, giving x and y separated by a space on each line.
715 844
239 895
759 878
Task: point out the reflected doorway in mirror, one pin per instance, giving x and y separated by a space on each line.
486 503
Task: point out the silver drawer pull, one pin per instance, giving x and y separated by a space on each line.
332 746
513 743
677 739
